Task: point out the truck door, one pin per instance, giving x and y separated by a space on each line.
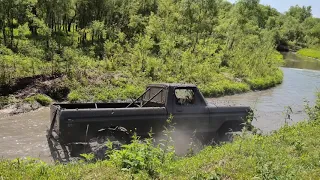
190 112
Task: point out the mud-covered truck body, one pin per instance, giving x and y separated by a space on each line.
80 122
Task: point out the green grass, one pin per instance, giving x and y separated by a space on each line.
313 53
224 87
40 98
266 82
290 153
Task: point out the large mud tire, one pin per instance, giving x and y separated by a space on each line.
227 131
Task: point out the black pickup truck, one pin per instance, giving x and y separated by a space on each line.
79 122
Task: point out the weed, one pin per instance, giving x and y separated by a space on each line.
40 98
287 113
43 99
313 112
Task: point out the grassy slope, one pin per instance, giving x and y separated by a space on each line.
290 153
293 152
314 53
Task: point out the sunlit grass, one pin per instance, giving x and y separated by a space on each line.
314 53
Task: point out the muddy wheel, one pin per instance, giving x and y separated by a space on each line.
118 136
209 138
227 131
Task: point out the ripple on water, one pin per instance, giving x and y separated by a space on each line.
299 85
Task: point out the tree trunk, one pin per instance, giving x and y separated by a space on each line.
11 33
4 35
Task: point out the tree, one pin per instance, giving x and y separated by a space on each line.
300 13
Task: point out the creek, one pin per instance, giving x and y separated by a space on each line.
300 84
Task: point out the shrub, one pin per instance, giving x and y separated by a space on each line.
40 98
261 83
43 99
224 87
75 96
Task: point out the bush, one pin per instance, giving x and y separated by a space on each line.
43 99
75 96
221 88
40 98
266 82
140 157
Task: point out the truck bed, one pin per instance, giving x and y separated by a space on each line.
102 105
92 105
80 122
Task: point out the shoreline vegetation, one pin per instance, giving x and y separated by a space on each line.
310 52
292 151
56 50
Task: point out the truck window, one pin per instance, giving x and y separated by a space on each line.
184 96
160 98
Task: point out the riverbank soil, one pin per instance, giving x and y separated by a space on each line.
31 93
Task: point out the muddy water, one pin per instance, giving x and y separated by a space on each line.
25 135
301 82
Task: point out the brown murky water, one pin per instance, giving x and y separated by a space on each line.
301 82
25 135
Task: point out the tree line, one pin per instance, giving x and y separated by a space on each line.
161 40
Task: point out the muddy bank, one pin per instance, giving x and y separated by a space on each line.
19 108
23 87
19 97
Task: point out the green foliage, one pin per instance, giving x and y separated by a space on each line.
76 96
313 53
35 169
137 156
105 93
225 87
222 47
40 98
313 112
88 157
268 81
